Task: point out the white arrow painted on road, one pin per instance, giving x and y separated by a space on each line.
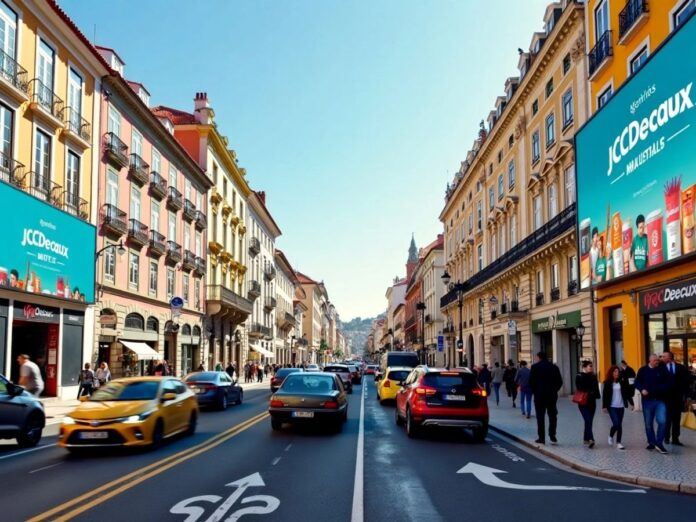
242 484
488 476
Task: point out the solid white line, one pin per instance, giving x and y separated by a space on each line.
27 451
275 461
358 506
287 448
45 467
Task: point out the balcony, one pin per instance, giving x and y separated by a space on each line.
220 299
11 171
448 329
201 220
200 267
41 187
539 300
174 201
138 170
514 306
258 331
269 273
189 262
270 303
113 221
287 320
173 252
631 17
49 104
254 247
254 289
572 288
158 186
555 294
157 244
138 233
115 151
600 53
77 128
189 210
15 76
75 205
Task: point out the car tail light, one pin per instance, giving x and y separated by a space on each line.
331 404
479 391
275 403
387 384
423 391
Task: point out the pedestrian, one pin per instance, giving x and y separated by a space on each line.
85 381
652 381
30 375
545 380
509 379
229 370
522 381
247 372
200 368
497 378
484 378
586 395
159 369
676 397
218 367
102 375
617 394
630 375
259 373
166 368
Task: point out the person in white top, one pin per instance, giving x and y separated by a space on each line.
617 394
30 375
103 374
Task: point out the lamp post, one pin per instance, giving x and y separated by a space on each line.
421 306
458 287
120 250
580 332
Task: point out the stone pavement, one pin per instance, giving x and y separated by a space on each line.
675 471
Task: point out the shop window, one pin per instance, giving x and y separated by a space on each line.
683 13
134 322
152 324
616 334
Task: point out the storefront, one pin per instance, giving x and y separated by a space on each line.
557 336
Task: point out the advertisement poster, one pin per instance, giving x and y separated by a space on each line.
45 251
636 169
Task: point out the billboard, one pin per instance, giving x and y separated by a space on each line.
45 250
636 169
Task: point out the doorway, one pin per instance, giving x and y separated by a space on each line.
34 339
546 344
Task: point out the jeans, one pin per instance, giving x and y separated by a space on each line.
84 389
511 391
544 405
655 411
526 401
587 411
496 389
616 415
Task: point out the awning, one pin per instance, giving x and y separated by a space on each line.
142 350
262 351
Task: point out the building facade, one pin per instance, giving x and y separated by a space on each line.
396 295
286 321
430 272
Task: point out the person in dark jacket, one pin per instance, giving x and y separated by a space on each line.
586 381
653 384
617 394
522 380
484 378
676 397
509 379
545 380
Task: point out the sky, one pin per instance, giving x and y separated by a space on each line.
351 115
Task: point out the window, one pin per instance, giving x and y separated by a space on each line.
501 186
513 230
134 322
198 249
639 59
569 176
490 169
511 174
185 290
479 252
540 282
491 198
187 189
133 270
137 143
573 268
114 122
8 31
197 293
153 277
471 223
478 187
501 239
538 218
42 164
601 19
555 281
604 97
156 161
44 73
171 286
479 215
172 176
152 324
567 102
550 130
110 263
7 123
135 202
549 87
494 243
187 237
536 151
171 229
535 107
682 14
511 141
72 181
154 215
112 187
553 201
566 63
74 100
500 156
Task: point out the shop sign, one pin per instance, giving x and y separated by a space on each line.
557 322
670 297
512 327
34 313
45 250
635 159
108 320
440 343
73 317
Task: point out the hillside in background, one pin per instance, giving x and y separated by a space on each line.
357 330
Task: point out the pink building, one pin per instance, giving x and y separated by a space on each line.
151 236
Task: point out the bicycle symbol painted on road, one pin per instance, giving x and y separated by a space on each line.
260 504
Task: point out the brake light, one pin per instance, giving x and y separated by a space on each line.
449 373
387 384
331 404
275 403
424 390
479 391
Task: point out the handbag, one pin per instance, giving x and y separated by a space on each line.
581 397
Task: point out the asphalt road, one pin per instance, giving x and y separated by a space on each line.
236 467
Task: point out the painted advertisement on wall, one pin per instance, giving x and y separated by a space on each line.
636 169
44 250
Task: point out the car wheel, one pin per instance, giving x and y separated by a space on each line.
31 434
397 417
157 434
412 428
193 421
241 397
480 434
222 403
276 424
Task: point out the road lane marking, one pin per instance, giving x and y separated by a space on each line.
115 487
275 461
45 467
287 448
27 451
358 505
488 476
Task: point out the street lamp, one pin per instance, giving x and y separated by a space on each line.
421 306
120 250
457 287
580 332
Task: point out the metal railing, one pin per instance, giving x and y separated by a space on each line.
269 272
174 198
189 209
270 303
258 328
200 267
201 220
555 294
254 287
189 259
44 96
539 299
254 246
572 287
228 297
158 243
116 149
75 205
630 14
138 169
600 52
76 124
13 73
137 231
158 185
114 219
173 251
11 170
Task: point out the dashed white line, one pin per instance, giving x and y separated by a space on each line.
45 467
358 505
27 451
275 461
287 448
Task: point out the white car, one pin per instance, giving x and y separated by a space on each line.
313 368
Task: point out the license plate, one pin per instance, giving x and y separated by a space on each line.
455 397
94 435
303 414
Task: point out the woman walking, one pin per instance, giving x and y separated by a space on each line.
509 378
103 375
617 394
586 397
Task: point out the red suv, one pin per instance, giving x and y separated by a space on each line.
437 397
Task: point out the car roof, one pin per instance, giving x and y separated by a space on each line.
428 369
390 368
336 364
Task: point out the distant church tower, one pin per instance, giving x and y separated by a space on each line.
412 262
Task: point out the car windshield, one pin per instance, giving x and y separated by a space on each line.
443 380
398 375
308 383
127 391
202 376
336 369
284 372
353 368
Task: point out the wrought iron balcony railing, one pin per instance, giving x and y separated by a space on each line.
254 246
189 210
43 95
115 150
174 200
138 170
114 220
630 14
201 220
600 52
158 186
76 124
157 244
173 252
13 73
138 232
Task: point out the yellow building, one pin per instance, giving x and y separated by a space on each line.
509 215
621 36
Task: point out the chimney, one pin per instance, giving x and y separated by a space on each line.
202 110
262 196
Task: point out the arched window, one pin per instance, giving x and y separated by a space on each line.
152 324
186 330
135 322
196 331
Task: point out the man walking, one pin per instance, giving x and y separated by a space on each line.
545 380
522 380
509 379
30 375
484 378
653 383
497 378
676 397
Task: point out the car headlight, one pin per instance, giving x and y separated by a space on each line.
68 420
134 419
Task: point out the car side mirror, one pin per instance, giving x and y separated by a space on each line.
170 396
84 398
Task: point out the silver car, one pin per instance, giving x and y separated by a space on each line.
22 415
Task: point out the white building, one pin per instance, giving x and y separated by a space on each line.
396 295
286 322
430 273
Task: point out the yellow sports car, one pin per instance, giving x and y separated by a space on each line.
136 411
390 382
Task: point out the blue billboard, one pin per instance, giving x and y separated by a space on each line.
45 250
636 169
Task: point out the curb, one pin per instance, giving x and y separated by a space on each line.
669 485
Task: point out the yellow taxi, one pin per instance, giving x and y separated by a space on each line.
138 411
390 382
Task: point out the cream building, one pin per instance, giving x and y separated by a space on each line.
286 322
430 272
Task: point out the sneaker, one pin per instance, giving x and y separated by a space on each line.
554 440
676 442
649 447
610 440
620 446
528 416
590 444
661 449
539 441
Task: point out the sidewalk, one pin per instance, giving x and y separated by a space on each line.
676 471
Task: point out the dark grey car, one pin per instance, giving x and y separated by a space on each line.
343 372
22 415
